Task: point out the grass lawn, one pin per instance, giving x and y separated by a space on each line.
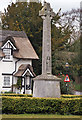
39 116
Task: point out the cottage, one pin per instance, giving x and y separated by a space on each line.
16 55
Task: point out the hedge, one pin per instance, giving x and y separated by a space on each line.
21 105
17 95
71 96
27 95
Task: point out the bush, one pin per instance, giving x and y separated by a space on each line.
77 86
9 92
21 105
71 96
17 95
27 95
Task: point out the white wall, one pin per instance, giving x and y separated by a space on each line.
23 62
9 68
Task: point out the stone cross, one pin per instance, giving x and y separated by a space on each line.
46 84
47 14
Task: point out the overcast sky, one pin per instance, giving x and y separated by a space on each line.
65 5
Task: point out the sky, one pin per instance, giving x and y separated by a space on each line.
65 5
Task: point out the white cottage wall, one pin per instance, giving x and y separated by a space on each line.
21 61
8 67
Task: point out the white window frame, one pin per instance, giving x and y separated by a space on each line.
6 81
8 47
10 44
7 53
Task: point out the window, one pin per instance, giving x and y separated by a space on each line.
8 48
7 53
6 81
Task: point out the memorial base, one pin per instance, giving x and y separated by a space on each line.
46 86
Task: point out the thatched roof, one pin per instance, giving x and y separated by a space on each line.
25 49
6 33
22 70
20 41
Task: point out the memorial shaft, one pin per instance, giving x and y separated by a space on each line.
46 13
46 54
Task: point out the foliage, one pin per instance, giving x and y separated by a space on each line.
76 62
19 83
60 42
72 53
8 92
75 65
69 88
20 16
72 19
77 87
17 105
60 58
71 56
60 37
65 34
17 95
71 96
30 95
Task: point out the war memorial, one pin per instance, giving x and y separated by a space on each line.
46 84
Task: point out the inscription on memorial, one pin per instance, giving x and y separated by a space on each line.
48 64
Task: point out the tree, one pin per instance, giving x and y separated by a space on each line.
60 42
75 62
24 16
69 43
72 18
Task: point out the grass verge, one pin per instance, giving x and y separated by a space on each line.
39 116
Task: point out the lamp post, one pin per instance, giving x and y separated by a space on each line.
67 66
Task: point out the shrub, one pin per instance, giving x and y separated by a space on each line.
71 96
30 95
21 105
9 92
17 95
